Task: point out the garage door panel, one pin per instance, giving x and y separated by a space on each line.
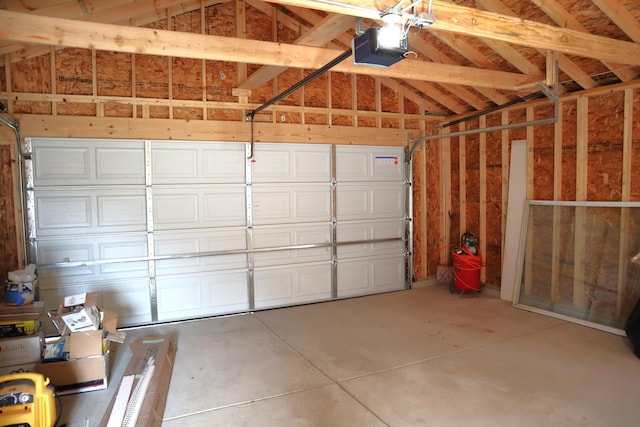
175 164
291 235
361 201
224 164
298 284
197 162
312 205
59 252
291 163
388 230
129 298
175 209
387 201
94 211
225 207
98 200
62 164
271 206
354 277
192 242
285 204
375 230
352 233
182 294
118 248
82 249
351 165
120 165
353 202
198 207
97 162
371 275
202 295
165 246
59 213
271 165
200 264
119 210
368 164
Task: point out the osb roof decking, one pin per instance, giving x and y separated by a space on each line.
478 53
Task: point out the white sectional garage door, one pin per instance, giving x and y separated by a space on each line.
169 230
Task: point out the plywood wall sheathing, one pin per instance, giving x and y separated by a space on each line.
462 181
482 195
472 181
542 155
506 155
433 205
492 234
10 251
420 263
446 214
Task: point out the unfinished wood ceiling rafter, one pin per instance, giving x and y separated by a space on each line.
477 54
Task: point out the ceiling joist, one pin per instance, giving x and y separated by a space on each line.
69 33
493 26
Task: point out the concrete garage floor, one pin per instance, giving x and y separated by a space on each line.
421 357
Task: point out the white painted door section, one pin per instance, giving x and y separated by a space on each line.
168 230
370 208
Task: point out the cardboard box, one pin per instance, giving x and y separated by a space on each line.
88 366
77 313
18 328
163 350
77 375
20 350
79 299
25 367
85 319
22 312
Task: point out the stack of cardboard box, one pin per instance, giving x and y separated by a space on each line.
21 337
